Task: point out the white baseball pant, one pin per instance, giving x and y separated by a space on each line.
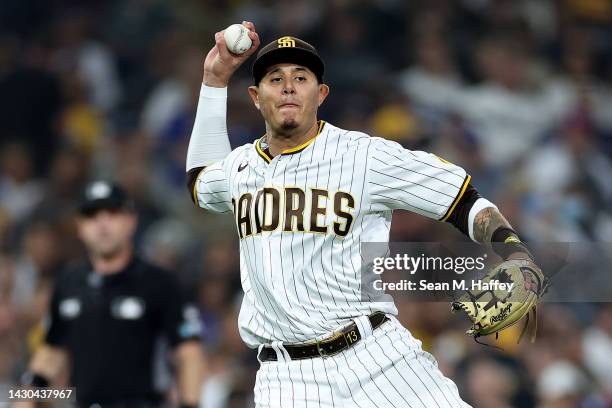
386 368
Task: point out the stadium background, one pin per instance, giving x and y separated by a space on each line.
518 92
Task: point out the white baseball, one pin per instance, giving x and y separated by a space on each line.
237 38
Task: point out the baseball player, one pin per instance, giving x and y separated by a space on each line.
304 197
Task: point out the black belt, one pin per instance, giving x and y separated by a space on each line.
328 347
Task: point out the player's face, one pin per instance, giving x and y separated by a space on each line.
288 97
107 232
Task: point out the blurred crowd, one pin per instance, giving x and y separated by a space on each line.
519 92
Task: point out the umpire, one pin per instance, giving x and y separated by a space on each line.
107 315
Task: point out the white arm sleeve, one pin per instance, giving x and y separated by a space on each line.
209 142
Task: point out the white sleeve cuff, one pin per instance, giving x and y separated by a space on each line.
212 92
478 205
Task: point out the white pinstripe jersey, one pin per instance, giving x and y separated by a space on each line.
302 215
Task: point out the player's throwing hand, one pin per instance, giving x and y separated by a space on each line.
220 64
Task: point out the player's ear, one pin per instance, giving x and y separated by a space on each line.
254 94
323 92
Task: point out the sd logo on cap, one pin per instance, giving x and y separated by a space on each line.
288 49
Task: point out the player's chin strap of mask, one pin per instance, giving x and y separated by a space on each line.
505 242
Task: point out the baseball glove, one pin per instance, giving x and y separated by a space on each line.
492 308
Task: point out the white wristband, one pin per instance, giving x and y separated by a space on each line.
478 205
212 92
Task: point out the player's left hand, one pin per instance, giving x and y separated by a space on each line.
490 310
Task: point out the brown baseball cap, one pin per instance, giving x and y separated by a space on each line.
288 49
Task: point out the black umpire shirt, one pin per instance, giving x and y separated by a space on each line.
110 324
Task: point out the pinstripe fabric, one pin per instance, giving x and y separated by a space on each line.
301 218
303 284
387 369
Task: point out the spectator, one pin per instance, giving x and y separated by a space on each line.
20 191
510 112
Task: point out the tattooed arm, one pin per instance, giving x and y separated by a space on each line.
486 222
493 230
480 219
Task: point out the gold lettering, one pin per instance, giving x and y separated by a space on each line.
258 196
260 211
243 215
351 337
340 197
271 202
294 210
285 42
316 210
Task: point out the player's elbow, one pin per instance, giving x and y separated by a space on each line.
192 177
